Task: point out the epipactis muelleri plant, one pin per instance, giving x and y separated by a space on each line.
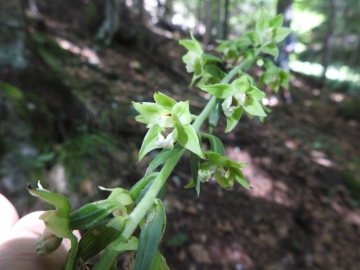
109 224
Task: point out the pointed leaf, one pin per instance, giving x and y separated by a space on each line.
136 189
163 156
150 236
195 166
91 213
215 144
214 115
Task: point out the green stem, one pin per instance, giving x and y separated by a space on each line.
142 208
72 253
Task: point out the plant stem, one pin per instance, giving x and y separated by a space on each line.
143 207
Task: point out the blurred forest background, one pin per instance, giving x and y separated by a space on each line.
69 70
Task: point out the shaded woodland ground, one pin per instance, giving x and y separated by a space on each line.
298 214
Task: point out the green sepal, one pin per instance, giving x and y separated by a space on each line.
91 213
231 121
182 112
149 141
98 237
253 107
263 22
239 177
194 167
164 100
59 201
150 236
280 34
277 21
150 111
189 139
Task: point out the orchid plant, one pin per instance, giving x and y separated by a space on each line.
110 223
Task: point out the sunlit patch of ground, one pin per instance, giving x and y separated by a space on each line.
263 186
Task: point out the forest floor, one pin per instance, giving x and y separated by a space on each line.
298 214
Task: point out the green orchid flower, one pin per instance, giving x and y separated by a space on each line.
270 32
56 221
238 96
195 58
223 169
168 122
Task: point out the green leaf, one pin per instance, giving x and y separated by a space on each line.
91 213
253 107
192 143
241 85
163 156
131 244
136 189
195 166
218 90
164 100
214 115
280 34
150 111
216 144
97 238
263 22
277 21
149 141
231 121
150 236
191 184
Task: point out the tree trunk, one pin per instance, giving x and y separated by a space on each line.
226 20
111 23
208 14
327 46
285 7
